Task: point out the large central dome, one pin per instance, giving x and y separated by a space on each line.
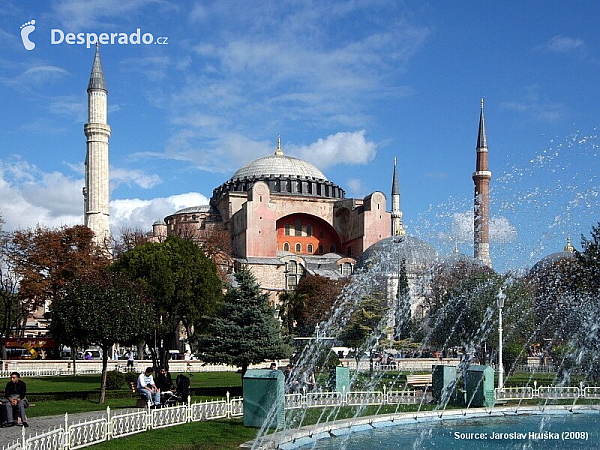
285 175
278 165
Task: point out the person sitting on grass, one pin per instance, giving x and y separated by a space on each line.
15 397
146 387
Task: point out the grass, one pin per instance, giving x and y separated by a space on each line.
215 434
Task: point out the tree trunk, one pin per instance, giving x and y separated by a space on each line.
103 379
74 358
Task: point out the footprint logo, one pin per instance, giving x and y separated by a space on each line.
26 29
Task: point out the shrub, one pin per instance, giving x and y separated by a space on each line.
131 377
114 380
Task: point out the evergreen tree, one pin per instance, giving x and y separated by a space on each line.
244 330
403 321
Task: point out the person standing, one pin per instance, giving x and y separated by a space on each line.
15 397
130 360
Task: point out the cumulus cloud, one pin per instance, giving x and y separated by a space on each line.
339 148
141 214
54 199
50 199
462 229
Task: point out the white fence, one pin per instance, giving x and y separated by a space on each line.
547 392
41 368
108 425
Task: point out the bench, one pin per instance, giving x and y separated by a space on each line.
423 380
141 401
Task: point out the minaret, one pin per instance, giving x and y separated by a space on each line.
397 228
97 131
481 178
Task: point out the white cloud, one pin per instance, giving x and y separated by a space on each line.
50 199
53 199
339 148
462 229
564 44
141 214
119 176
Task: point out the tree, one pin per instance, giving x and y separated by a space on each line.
102 308
403 321
182 283
46 260
310 304
365 324
244 330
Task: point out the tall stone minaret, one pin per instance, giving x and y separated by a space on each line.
481 178
397 228
97 131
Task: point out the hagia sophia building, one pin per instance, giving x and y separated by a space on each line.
285 219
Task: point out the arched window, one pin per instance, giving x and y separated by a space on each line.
286 246
298 247
346 269
332 248
320 251
309 248
292 267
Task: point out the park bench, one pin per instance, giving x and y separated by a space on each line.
423 380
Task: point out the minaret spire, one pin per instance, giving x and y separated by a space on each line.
97 132
397 228
481 178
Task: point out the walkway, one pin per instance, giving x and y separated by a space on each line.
43 424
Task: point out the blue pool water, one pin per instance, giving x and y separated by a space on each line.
572 431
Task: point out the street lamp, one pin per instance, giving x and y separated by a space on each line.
500 303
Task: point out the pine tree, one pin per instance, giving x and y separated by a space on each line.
244 330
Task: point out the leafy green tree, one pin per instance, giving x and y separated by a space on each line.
100 309
244 330
182 283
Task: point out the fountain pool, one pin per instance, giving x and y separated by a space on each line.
556 427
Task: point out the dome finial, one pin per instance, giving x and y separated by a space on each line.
279 152
569 247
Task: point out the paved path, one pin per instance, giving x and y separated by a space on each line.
43 424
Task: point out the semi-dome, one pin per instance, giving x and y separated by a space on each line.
385 255
278 166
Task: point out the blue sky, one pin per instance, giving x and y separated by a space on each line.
349 86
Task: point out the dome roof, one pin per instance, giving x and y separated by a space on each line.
193 210
385 255
280 166
552 259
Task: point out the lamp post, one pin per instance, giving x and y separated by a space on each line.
500 302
